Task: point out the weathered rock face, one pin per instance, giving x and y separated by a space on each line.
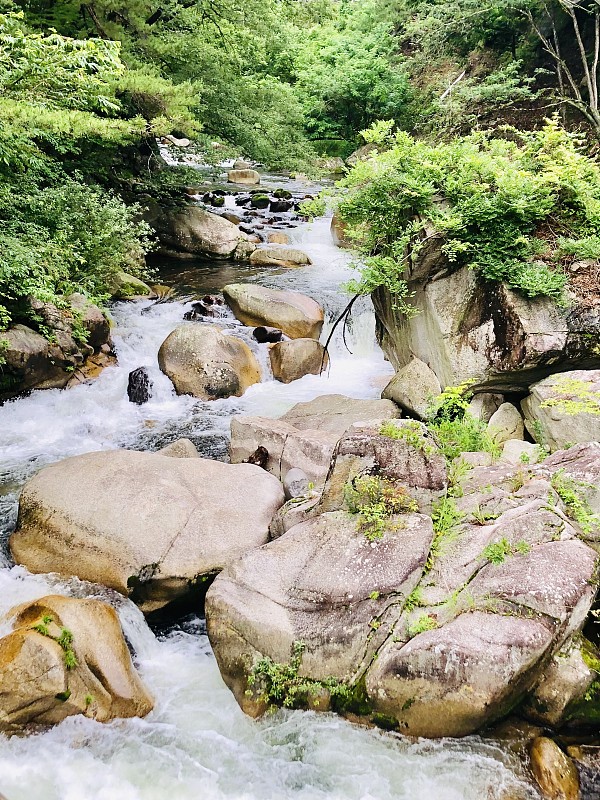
409 457
468 329
335 413
280 256
413 388
314 585
193 231
287 447
244 176
339 233
32 362
464 625
278 238
203 362
297 315
67 657
564 409
293 360
157 527
139 386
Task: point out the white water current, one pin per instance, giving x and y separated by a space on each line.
197 744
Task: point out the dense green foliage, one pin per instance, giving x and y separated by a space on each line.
510 205
87 87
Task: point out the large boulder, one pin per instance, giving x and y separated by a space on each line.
413 388
482 615
297 315
204 362
192 231
470 330
154 528
335 413
244 176
322 584
293 360
506 423
65 657
32 361
275 256
564 409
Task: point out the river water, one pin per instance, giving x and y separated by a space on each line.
197 743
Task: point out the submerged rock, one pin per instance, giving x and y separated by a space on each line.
204 362
297 315
555 772
66 657
155 529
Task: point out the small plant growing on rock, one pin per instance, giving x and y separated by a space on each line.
375 500
410 432
425 623
577 507
446 519
281 684
498 552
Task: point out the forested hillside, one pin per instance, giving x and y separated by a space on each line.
86 89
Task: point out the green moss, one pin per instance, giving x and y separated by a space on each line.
573 397
425 623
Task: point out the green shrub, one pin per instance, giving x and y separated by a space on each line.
375 500
504 197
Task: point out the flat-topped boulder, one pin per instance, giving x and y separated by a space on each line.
153 527
297 315
65 657
335 413
205 362
275 255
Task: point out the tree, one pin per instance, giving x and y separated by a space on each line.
582 18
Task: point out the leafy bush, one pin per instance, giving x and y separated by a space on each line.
57 241
505 196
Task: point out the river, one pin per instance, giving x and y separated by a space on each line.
197 743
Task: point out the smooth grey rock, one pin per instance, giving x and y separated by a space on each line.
291 361
335 413
297 315
203 361
181 448
484 404
245 176
506 423
295 483
276 255
516 451
153 526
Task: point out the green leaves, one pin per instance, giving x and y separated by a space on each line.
496 204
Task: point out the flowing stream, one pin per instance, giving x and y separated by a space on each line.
197 743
